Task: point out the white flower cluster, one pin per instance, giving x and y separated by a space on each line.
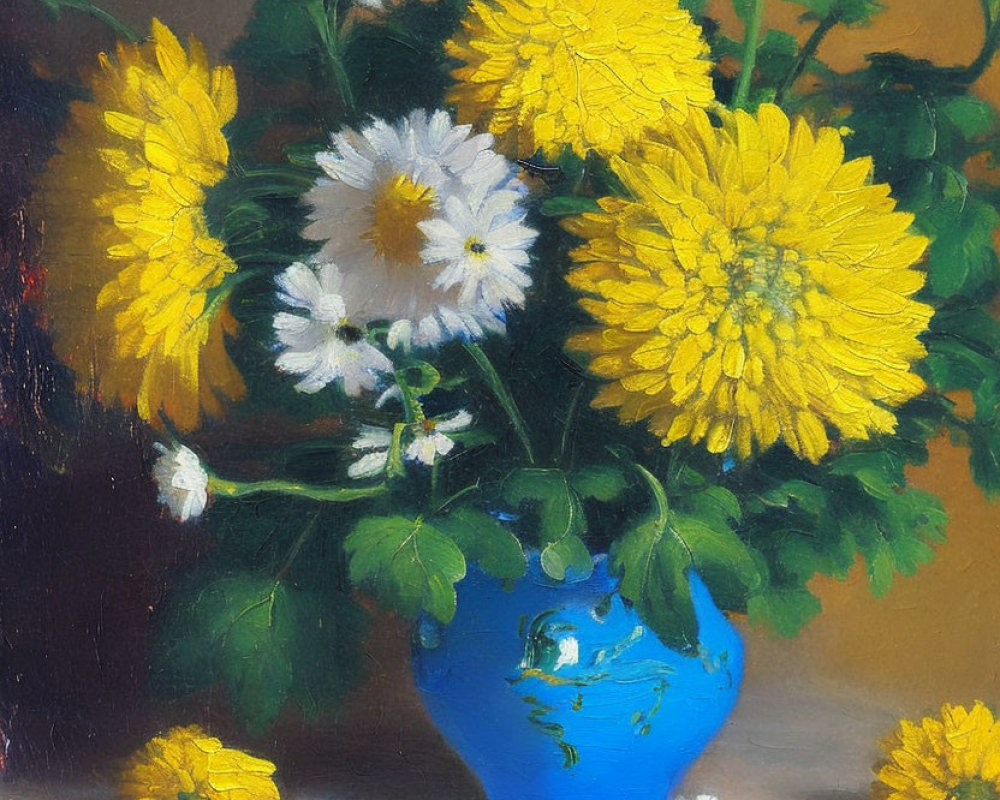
421 226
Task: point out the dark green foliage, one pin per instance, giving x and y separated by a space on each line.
268 642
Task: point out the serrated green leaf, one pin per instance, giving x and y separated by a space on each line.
236 630
786 611
962 260
696 8
410 563
483 540
567 205
653 561
604 482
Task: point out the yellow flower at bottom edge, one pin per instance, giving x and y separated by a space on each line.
756 287
954 757
188 764
587 73
130 261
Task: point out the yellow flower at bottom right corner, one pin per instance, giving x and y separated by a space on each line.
188 764
955 756
753 287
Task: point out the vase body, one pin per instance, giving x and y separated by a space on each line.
552 691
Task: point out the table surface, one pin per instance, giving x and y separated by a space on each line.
786 741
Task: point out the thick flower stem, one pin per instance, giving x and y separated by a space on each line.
503 396
99 13
808 51
326 494
750 39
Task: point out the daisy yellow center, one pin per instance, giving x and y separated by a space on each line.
475 247
754 287
398 208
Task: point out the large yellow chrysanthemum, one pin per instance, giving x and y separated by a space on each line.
188 763
956 757
756 287
130 261
587 73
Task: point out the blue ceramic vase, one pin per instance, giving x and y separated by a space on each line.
551 691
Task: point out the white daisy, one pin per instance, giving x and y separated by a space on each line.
182 481
380 184
428 441
482 249
323 346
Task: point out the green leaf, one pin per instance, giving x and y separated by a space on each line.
894 127
962 260
879 472
265 641
567 205
411 564
696 8
969 116
847 12
653 561
482 539
604 482
562 521
743 8
720 557
810 497
785 610
566 555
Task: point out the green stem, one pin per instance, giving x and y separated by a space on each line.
974 71
503 396
808 51
325 18
97 12
412 408
296 548
750 39
326 494
987 13
474 487
570 414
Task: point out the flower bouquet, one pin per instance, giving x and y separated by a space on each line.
578 322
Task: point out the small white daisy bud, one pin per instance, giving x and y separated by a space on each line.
182 481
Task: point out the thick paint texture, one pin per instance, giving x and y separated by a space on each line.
552 691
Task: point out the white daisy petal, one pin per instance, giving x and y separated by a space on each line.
397 198
458 421
323 347
369 465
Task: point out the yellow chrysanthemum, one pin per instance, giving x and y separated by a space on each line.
956 757
131 263
587 73
757 287
188 763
